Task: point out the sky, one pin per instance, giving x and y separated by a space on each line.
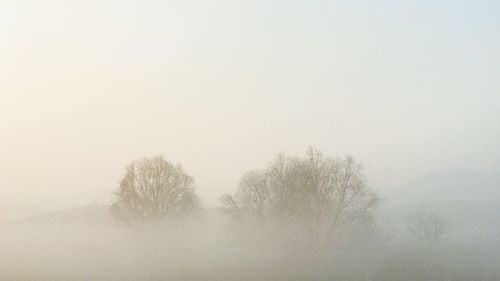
222 86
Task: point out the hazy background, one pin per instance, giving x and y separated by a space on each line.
222 86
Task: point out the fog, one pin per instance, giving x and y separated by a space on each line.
77 245
249 140
257 235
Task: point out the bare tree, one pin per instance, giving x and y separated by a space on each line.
320 194
426 228
153 188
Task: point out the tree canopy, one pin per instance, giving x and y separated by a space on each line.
318 193
153 188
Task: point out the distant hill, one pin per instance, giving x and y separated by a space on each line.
468 200
455 185
88 214
10 215
95 214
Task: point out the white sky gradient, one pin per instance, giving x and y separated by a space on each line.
406 87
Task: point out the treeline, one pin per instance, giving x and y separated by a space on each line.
315 195
314 202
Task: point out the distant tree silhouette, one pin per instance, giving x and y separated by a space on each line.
153 188
426 228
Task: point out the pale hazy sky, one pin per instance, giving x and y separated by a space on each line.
406 87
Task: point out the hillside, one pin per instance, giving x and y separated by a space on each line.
87 215
453 185
468 200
